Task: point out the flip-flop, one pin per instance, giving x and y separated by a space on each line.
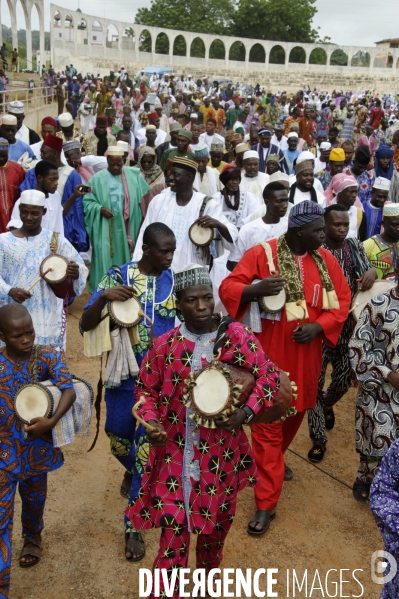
136 536
263 517
358 488
35 551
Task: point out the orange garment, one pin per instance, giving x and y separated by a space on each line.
220 117
209 113
288 121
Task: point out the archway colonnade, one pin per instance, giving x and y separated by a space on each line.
28 6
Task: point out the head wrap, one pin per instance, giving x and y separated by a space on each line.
32 197
71 145
153 116
264 131
380 153
337 155
186 133
101 121
338 183
381 183
9 119
303 166
15 107
250 154
212 121
229 172
174 127
241 148
115 151
4 145
53 142
217 147
48 120
185 163
303 213
362 155
65 119
191 276
390 209
279 176
273 158
292 134
201 152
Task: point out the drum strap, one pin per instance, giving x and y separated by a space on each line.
203 205
206 251
97 405
220 334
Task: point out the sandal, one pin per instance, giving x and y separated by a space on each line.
136 536
126 485
288 473
32 548
262 517
361 491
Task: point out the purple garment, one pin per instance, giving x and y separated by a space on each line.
384 503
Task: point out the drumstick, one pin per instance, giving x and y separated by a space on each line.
299 303
39 279
354 308
149 427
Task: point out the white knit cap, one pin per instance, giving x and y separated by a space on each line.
115 151
123 144
8 119
16 107
279 176
293 134
33 197
65 119
250 154
381 183
325 145
305 156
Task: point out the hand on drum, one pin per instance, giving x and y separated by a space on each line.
72 270
19 295
39 426
207 221
105 212
158 437
270 286
367 280
235 421
120 293
307 332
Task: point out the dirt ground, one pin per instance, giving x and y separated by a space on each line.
319 526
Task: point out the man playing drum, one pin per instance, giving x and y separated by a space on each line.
360 275
316 307
194 473
27 451
383 249
22 252
151 279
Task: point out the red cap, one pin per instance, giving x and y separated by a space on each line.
48 120
102 121
53 142
152 116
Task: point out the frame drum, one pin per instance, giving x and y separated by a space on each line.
362 298
200 236
125 314
273 303
58 264
33 401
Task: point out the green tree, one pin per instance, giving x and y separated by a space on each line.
339 58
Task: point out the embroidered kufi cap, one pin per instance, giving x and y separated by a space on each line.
185 163
382 183
201 152
16 107
241 148
4 145
279 176
191 276
217 147
9 119
303 213
65 119
391 209
273 158
71 145
115 151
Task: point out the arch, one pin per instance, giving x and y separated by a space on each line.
57 21
257 53
383 60
162 44
277 55
180 46
145 41
82 24
360 59
112 39
24 50
217 50
35 19
197 48
96 34
68 29
297 55
318 56
339 58
128 39
237 51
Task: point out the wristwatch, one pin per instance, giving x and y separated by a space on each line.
248 413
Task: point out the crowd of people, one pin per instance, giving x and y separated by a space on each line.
246 225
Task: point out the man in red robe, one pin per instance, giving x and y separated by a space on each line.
316 307
11 176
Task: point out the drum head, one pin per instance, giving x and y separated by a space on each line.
200 236
211 394
363 297
32 401
125 314
58 264
273 303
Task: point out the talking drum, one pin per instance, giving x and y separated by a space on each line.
200 236
272 303
362 298
282 407
216 391
53 269
125 314
33 401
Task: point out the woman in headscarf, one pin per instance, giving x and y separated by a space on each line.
384 167
343 190
152 174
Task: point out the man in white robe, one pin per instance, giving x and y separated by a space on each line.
207 178
252 179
